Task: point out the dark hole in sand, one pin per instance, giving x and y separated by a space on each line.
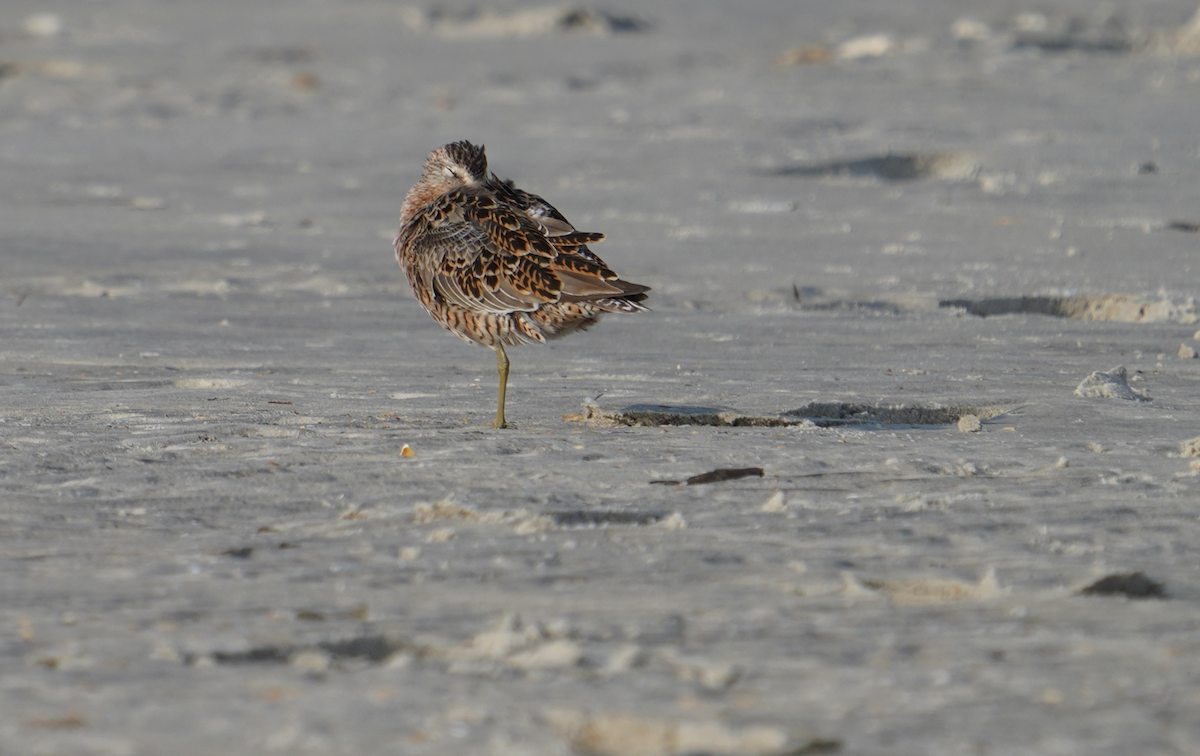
586 19
823 414
166 457
259 655
886 167
1129 584
684 414
832 414
372 648
1059 307
817 747
720 558
674 414
567 19
723 474
242 553
1122 308
1093 43
1188 227
714 476
1079 308
585 518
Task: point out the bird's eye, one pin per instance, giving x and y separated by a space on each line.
449 172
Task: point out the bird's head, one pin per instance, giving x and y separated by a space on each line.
454 165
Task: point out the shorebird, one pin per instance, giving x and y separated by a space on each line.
499 266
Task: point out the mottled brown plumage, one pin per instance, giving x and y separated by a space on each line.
499 266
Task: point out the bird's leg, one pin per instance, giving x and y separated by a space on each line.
502 365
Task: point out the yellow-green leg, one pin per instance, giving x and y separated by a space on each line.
502 365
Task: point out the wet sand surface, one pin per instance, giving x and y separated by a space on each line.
249 498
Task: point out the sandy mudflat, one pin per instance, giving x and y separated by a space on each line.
887 239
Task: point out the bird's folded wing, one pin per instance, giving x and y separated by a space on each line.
484 255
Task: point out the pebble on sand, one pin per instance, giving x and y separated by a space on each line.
623 734
805 54
1111 385
1190 448
1187 38
969 424
970 29
776 503
868 46
44 25
558 654
311 661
